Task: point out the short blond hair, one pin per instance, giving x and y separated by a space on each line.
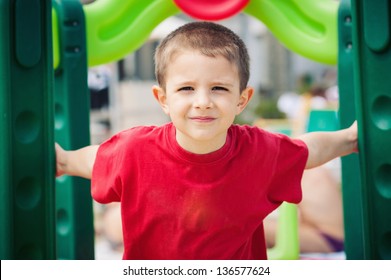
209 39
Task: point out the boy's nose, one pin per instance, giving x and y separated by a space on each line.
203 99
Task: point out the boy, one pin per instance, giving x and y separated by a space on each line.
199 187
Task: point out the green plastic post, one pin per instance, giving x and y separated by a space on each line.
287 245
75 229
351 179
372 64
6 231
27 137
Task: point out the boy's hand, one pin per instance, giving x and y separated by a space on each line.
60 160
353 131
75 163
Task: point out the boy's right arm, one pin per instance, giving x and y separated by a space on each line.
76 163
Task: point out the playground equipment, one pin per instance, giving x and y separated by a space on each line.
32 219
351 175
26 106
305 26
75 230
287 236
211 10
371 61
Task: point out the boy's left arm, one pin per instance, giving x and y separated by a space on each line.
325 146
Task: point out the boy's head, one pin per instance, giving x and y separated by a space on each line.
209 39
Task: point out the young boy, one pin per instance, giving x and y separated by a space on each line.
199 187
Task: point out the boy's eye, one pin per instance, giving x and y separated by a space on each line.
186 89
217 88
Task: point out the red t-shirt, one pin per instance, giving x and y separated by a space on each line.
180 205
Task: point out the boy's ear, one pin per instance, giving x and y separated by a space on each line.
160 96
244 98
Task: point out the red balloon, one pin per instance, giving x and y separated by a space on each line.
211 9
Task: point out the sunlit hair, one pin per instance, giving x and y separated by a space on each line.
209 39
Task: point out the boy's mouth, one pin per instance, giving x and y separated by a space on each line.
202 119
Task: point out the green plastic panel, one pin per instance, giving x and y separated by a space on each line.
27 137
5 141
351 178
75 229
372 64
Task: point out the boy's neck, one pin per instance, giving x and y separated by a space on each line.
200 146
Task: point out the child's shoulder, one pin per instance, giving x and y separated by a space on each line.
138 134
260 139
257 136
141 130
254 131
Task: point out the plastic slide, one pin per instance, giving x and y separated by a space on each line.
306 27
116 28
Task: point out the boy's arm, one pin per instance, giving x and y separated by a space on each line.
76 163
325 146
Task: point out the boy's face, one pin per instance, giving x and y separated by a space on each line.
202 99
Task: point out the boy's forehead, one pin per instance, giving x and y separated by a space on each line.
187 66
175 53
189 54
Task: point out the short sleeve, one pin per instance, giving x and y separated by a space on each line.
106 183
288 170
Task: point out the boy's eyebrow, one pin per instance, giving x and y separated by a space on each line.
220 83
223 83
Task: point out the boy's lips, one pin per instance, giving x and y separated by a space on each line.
202 119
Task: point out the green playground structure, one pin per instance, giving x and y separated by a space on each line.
46 47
